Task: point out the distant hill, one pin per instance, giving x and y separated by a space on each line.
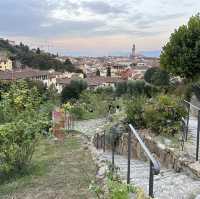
35 58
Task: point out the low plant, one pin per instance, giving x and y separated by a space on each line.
117 188
77 111
135 111
163 115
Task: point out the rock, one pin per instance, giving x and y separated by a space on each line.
85 147
101 172
195 168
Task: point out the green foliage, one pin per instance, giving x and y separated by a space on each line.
41 87
180 56
117 189
108 74
195 88
163 115
106 91
78 111
98 73
22 120
157 77
36 58
73 90
135 111
136 88
19 99
121 88
131 88
4 86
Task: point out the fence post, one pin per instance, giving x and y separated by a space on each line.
104 142
97 141
113 151
198 129
129 157
188 119
151 179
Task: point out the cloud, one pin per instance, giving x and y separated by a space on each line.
133 19
102 7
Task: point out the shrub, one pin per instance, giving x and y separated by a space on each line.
17 140
22 121
163 115
73 90
121 88
77 111
131 87
135 110
157 77
136 88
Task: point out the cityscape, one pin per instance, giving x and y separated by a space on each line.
99 99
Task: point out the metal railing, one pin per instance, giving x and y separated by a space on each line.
154 164
186 125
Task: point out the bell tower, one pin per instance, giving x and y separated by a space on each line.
133 51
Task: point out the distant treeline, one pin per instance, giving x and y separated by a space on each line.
35 58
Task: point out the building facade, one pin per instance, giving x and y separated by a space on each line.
5 64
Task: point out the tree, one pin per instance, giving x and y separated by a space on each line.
181 55
121 88
157 77
38 51
108 72
73 90
98 73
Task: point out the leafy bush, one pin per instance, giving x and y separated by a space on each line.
22 122
77 111
157 77
135 110
163 115
131 87
136 88
18 140
121 88
73 90
118 189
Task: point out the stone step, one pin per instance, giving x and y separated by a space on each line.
167 185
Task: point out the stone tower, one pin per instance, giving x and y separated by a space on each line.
133 51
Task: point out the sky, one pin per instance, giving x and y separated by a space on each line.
94 27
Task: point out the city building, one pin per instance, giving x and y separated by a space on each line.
5 64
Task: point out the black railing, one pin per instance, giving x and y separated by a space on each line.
186 125
154 164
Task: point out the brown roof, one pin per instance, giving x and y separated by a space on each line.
65 81
91 81
96 81
21 74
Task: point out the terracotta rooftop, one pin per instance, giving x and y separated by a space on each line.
96 81
22 74
91 81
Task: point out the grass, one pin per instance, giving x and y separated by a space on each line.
58 170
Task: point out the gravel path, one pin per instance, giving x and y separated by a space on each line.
90 127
